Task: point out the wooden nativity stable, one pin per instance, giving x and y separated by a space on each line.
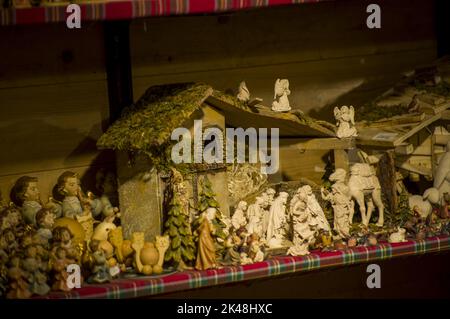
414 139
141 138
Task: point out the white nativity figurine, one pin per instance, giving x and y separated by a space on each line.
239 220
441 183
313 206
268 196
300 248
243 93
341 201
280 100
303 225
365 188
255 217
398 236
345 122
277 221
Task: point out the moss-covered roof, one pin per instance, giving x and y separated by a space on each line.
150 121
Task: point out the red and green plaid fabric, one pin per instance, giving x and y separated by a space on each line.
130 9
152 285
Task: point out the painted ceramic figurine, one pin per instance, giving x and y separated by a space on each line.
243 93
100 268
37 269
75 203
206 250
341 201
232 256
62 238
345 122
280 100
59 268
45 220
25 194
365 188
106 183
19 285
277 221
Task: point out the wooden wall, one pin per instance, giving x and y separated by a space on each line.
324 49
53 95
53 99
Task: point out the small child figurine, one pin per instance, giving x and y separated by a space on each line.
60 273
45 220
100 267
19 286
25 194
62 238
75 203
34 265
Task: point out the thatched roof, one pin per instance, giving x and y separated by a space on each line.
150 121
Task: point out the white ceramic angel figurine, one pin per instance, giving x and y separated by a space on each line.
277 220
243 93
345 122
280 100
238 220
341 201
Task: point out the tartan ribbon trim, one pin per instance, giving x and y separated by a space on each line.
130 9
146 286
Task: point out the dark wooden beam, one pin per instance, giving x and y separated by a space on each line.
118 67
443 27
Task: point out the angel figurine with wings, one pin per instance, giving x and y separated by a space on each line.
280 100
345 122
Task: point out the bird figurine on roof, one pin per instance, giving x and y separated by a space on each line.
243 92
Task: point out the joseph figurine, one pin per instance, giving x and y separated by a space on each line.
206 252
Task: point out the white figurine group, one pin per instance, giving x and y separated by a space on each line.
280 99
344 116
269 217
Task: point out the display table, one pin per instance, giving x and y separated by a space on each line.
179 281
131 9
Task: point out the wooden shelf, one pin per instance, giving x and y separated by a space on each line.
132 9
145 286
